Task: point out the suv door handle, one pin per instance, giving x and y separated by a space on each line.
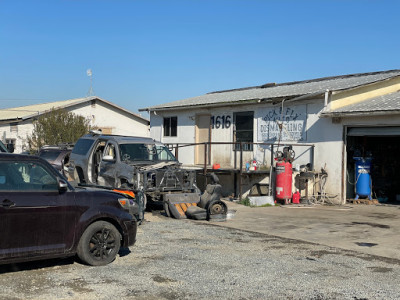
7 203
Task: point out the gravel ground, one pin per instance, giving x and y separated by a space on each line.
182 259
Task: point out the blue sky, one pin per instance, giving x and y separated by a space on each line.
144 53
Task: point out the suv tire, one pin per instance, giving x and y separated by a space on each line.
99 244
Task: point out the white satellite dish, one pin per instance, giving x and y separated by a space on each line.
89 72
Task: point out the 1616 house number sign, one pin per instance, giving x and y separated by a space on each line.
222 122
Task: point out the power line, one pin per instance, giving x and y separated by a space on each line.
24 99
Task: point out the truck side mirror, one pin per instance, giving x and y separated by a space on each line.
62 186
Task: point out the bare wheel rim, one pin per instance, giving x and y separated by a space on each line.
102 244
216 209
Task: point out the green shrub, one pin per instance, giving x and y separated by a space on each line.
245 202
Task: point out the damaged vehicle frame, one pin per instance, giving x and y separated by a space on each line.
136 163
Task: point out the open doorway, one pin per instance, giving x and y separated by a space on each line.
382 146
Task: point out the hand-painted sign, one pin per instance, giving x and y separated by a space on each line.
290 125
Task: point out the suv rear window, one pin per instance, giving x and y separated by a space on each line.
50 155
82 146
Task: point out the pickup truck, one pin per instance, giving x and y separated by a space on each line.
135 163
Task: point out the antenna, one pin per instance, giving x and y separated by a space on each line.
90 74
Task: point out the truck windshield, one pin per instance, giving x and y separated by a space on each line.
145 152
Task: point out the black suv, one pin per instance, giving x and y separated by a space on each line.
137 163
43 216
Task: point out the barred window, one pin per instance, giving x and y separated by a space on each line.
243 130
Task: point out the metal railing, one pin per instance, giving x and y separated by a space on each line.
238 147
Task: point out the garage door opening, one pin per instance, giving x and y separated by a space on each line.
382 145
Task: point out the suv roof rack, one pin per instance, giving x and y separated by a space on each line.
63 146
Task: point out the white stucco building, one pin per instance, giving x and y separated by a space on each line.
332 118
16 124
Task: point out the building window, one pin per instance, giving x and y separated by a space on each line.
170 126
243 130
14 127
10 144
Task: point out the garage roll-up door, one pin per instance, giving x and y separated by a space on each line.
373 131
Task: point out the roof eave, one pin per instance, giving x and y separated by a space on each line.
8 121
205 105
238 102
359 113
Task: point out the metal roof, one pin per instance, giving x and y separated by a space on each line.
270 91
30 111
379 105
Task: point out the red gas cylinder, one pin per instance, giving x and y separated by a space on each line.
283 181
296 198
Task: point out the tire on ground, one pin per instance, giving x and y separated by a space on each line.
99 244
166 209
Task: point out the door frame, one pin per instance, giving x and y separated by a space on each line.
199 152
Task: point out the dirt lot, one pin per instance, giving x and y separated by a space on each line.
181 259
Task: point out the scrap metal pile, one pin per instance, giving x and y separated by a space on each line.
208 206
146 168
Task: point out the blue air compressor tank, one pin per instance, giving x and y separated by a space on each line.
363 177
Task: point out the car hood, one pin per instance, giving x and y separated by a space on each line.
146 166
92 188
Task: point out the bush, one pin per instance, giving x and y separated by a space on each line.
56 127
245 202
